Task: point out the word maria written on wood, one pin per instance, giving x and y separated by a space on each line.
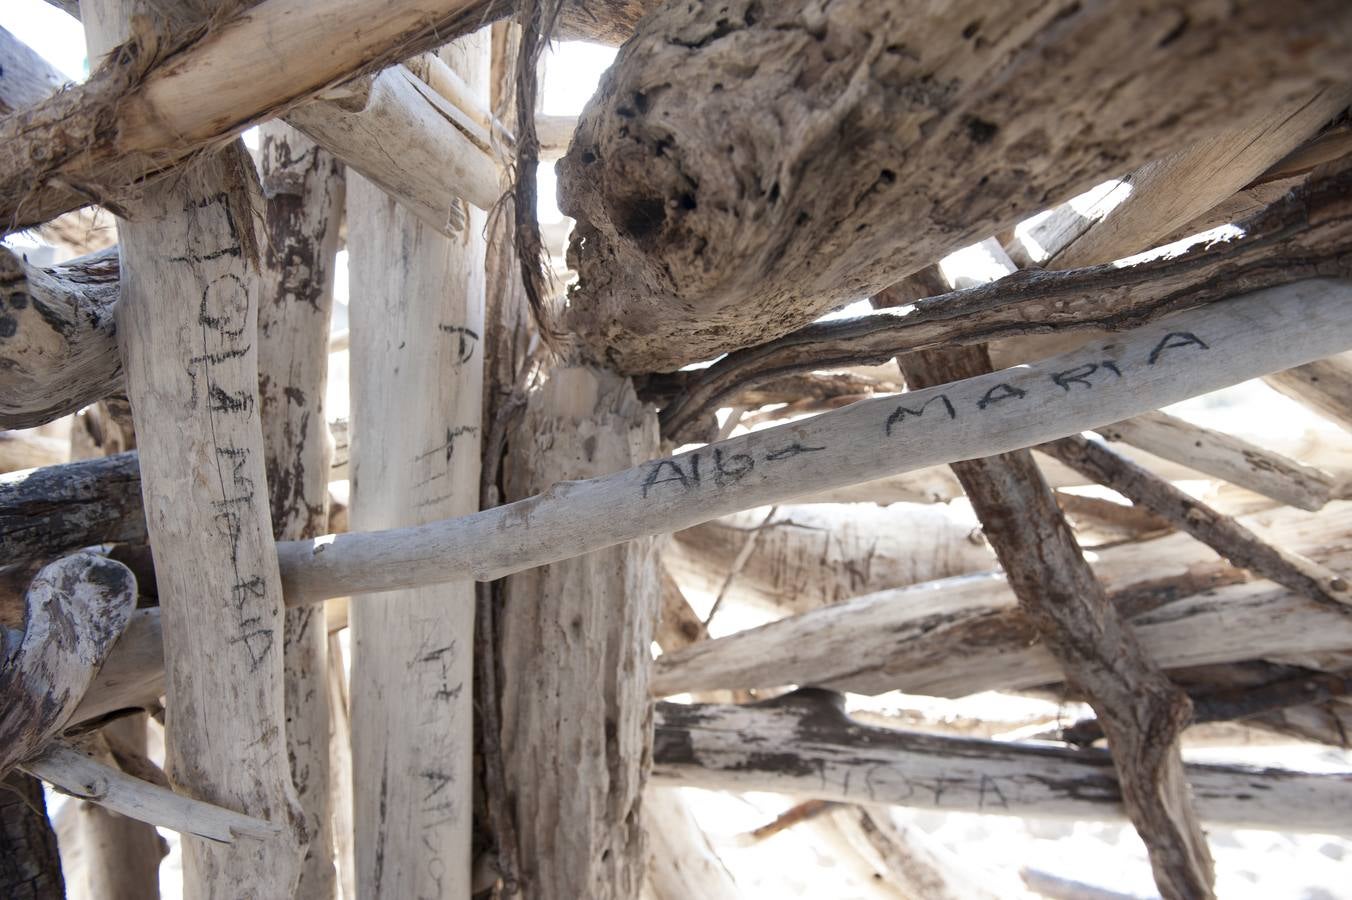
690 471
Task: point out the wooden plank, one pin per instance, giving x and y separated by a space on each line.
417 320
686 250
574 653
1159 364
303 191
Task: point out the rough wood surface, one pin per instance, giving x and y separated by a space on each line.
811 748
1221 533
687 249
574 652
303 201
192 378
1324 386
1168 193
805 557
961 636
417 319
1164 362
75 610
78 775
402 136
1305 233
58 342
30 868
25 77
1225 457
1142 712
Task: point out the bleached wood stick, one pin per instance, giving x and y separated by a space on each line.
400 134
1324 386
574 642
73 773
303 193
820 752
960 636
1225 457
681 861
75 610
1161 363
417 320
25 77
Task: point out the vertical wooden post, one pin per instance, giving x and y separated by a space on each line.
575 639
30 868
303 189
417 376
187 329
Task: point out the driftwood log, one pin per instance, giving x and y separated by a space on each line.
694 241
303 200
574 652
30 867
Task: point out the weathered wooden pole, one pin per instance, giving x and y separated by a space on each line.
574 640
187 329
303 192
417 370
30 868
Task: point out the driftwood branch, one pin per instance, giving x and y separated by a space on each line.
76 608
25 77
1324 386
1161 363
804 744
1142 712
73 773
686 250
1305 233
965 635
1221 533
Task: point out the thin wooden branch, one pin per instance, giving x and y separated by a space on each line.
1221 533
1161 363
811 748
1225 457
25 77
76 608
1304 233
685 251
1141 710
1324 386
303 193
73 773
57 338
964 635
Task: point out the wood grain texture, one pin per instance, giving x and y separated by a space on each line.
417 370
25 77
1324 386
692 241
1151 367
303 194
30 868
574 641
813 749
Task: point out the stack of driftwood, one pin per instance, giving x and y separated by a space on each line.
503 563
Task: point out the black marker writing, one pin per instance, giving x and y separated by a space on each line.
1174 340
902 411
1001 392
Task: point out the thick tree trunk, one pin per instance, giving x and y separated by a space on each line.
692 241
417 319
575 658
303 192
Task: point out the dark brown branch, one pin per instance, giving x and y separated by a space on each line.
1142 711
1305 233
1221 533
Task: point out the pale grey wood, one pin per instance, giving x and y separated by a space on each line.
1159 364
1325 386
25 77
574 652
417 369
681 861
819 752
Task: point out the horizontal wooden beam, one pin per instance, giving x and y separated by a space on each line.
804 744
1165 362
